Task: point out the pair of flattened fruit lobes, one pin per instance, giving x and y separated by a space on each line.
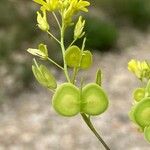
78 59
69 100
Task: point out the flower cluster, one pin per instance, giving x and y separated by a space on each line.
140 68
67 8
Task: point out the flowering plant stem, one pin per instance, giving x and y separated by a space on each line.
63 51
84 116
67 99
90 125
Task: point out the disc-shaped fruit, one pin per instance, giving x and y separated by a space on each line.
44 76
66 100
139 94
142 112
131 114
86 60
93 100
73 56
147 133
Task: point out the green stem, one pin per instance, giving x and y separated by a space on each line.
147 94
90 125
63 52
53 37
75 71
72 42
57 20
55 63
83 44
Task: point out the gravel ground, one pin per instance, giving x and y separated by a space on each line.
28 122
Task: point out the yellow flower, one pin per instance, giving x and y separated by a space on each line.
140 69
73 7
80 5
49 5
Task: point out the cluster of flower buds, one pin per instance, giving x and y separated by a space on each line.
140 68
67 9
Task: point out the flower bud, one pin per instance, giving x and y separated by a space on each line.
78 31
42 21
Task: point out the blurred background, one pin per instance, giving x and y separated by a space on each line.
117 31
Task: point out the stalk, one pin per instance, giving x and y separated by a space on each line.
63 51
90 125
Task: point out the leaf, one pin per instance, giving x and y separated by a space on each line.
86 60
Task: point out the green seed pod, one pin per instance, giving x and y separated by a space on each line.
147 133
94 99
131 114
86 60
44 76
66 100
132 118
142 112
73 56
139 94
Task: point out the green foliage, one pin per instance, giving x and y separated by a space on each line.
16 20
16 28
101 35
135 11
